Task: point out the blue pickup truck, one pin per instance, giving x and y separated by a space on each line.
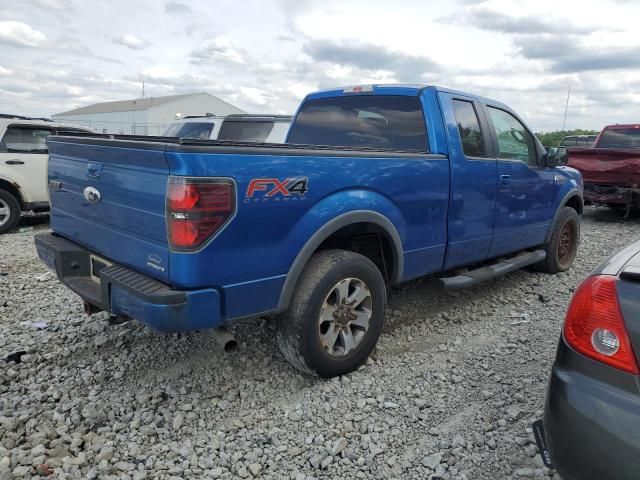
376 185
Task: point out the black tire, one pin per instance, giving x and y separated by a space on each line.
299 329
563 244
8 223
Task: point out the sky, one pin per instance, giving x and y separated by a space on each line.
265 55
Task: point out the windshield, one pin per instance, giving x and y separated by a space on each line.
620 138
375 121
245 131
196 130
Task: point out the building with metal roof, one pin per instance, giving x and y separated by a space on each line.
145 116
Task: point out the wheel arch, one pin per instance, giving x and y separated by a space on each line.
314 243
14 189
573 199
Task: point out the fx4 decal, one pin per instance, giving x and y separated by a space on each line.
273 189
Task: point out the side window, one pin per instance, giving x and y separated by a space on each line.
24 140
469 128
514 141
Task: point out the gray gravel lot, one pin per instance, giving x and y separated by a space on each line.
451 391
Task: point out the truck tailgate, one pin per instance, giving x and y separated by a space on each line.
607 166
109 196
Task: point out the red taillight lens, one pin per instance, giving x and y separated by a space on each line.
594 325
196 209
182 196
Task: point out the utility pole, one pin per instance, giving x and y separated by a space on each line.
566 107
142 88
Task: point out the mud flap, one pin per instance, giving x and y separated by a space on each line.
541 441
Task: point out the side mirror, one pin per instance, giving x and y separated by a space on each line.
556 156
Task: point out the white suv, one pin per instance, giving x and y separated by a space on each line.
240 127
23 165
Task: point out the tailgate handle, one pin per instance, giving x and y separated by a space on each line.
94 169
14 162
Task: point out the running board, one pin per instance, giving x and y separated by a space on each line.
473 277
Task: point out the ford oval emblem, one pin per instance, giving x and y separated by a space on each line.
92 195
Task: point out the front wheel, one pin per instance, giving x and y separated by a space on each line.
563 244
336 314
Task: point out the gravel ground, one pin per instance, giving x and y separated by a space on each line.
450 393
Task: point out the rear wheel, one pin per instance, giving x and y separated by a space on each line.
9 211
336 314
563 244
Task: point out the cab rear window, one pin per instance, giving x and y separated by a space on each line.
620 138
384 122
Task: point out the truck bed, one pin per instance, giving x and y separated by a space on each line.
134 141
607 166
611 176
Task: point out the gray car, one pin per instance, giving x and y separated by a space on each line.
592 411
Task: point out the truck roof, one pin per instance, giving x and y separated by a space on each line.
393 89
621 126
6 120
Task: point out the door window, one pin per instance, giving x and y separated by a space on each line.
514 140
469 128
25 140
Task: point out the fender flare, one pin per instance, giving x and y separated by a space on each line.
574 192
21 196
324 232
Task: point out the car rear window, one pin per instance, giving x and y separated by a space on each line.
620 138
384 122
245 131
195 130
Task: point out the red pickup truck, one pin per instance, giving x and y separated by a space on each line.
611 168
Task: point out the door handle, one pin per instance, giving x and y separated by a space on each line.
505 182
14 162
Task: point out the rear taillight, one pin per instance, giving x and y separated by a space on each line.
594 325
197 208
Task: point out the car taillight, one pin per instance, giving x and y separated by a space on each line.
594 325
197 208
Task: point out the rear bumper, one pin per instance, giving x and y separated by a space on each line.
611 194
592 425
122 291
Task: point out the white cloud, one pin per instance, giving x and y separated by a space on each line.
131 41
5 71
20 34
160 73
217 49
53 4
177 8
256 95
